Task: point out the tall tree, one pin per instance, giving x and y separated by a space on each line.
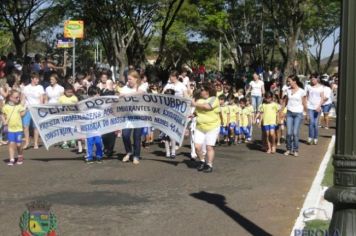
288 17
168 16
117 24
21 17
321 24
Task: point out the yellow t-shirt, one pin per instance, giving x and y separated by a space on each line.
218 93
250 108
234 110
269 113
285 110
118 89
67 100
208 120
13 117
225 112
245 115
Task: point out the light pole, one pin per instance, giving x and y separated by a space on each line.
343 193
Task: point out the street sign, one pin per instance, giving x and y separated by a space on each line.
64 43
74 29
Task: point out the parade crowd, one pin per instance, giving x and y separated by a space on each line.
226 109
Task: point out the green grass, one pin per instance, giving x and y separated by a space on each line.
329 175
314 225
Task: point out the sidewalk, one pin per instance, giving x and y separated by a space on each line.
249 192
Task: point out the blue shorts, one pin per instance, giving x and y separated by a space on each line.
144 131
246 131
26 119
326 108
15 137
269 127
237 130
232 125
224 130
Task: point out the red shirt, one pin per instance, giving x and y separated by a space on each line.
2 69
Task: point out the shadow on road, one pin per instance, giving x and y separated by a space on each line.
220 202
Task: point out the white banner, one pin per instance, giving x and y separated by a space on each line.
99 115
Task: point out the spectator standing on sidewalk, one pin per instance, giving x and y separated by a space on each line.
295 102
315 99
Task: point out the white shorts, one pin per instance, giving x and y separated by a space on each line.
208 138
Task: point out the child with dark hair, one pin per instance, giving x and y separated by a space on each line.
170 144
68 98
234 119
94 140
225 119
268 113
245 120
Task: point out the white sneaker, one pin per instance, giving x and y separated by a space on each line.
126 158
310 141
315 141
136 161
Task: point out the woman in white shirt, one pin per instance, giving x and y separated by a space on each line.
54 91
328 100
315 98
105 84
179 88
132 87
257 90
295 101
33 94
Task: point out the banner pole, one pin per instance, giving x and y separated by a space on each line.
73 64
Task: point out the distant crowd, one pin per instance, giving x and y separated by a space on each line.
226 109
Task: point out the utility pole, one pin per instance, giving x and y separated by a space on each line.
220 54
343 193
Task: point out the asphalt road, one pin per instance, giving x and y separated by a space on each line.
249 192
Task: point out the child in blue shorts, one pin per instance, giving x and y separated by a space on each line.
12 113
95 140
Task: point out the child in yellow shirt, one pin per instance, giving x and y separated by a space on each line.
12 113
224 117
234 114
69 98
269 114
280 120
245 120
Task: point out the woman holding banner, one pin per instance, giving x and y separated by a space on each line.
132 87
207 125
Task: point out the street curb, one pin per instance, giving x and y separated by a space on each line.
316 191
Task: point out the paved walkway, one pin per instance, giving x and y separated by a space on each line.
249 192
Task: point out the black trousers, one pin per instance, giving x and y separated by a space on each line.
109 141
